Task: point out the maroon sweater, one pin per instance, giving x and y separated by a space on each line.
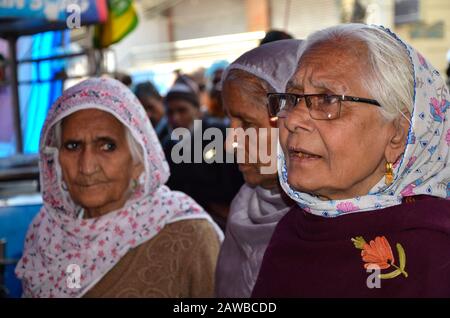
312 256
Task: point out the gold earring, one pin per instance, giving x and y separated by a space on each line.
134 184
389 175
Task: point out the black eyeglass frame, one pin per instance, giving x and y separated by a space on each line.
340 98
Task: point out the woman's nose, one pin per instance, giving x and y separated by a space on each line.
299 118
231 140
88 163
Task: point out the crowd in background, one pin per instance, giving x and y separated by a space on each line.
195 96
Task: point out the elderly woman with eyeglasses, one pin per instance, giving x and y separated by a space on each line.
364 136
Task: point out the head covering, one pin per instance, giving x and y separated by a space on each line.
214 76
254 212
216 66
275 63
423 168
146 89
186 89
59 236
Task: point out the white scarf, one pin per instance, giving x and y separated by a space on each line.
254 214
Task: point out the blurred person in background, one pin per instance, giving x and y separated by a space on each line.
153 104
182 103
216 114
275 35
212 185
124 78
200 79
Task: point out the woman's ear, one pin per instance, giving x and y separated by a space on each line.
138 168
397 143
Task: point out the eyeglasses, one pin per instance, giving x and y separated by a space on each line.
320 106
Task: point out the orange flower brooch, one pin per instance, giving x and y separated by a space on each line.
378 253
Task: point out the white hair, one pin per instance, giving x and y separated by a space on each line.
134 147
390 76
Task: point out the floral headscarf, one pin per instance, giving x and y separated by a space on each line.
424 167
59 242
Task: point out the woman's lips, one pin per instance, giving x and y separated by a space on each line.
302 155
89 185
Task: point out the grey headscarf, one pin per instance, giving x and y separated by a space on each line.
254 212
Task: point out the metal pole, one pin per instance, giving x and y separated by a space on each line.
12 41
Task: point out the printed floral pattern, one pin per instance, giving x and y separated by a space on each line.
422 60
438 109
345 207
447 137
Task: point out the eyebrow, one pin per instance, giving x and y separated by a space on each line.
293 84
321 84
103 139
249 116
239 116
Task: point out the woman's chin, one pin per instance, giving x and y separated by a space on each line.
93 203
251 180
302 184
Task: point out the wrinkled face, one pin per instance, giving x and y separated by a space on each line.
247 110
181 113
340 158
96 162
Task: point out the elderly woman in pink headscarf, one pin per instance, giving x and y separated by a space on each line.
109 226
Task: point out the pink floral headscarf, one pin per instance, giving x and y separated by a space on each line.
59 242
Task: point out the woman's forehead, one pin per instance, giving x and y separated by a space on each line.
245 103
92 119
336 53
326 67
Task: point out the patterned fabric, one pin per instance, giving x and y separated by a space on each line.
423 168
59 236
178 263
